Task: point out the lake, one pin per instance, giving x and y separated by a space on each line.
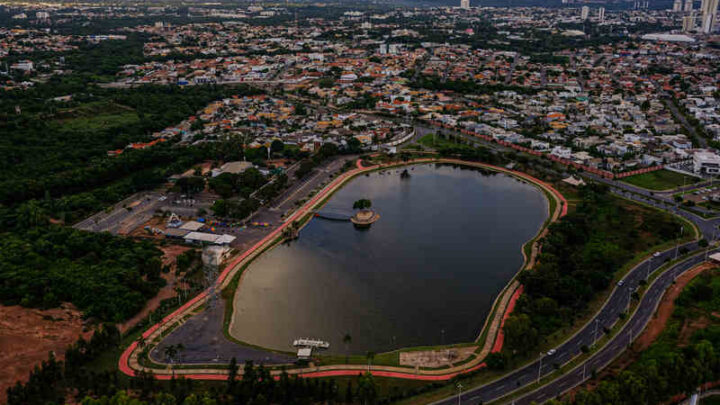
426 273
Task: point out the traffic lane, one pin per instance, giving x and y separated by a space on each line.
607 316
634 327
707 227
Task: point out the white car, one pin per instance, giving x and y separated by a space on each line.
620 283
656 254
551 352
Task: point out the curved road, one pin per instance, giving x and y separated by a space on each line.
608 315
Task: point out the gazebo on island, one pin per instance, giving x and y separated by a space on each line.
364 218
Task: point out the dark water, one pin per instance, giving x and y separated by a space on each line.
426 273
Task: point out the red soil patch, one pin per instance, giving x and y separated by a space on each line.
27 335
666 308
653 329
689 328
170 254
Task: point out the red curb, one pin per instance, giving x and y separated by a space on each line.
123 362
500 337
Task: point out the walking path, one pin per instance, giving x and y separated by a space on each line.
129 362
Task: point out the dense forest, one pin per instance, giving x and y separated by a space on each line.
466 86
56 171
580 256
106 277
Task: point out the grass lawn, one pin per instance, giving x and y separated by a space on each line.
660 180
95 116
439 142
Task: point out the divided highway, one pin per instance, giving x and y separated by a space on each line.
632 329
608 315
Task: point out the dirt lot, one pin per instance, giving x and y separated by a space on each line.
27 335
170 253
436 358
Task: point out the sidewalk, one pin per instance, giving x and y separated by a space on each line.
129 363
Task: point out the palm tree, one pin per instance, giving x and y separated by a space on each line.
180 348
171 352
347 339
370 356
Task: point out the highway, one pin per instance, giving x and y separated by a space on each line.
607 316
631 330
593 330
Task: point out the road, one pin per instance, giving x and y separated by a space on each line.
202 334
610 351
593 330
606 317
663 201
667 100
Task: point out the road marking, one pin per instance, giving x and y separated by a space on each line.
302 185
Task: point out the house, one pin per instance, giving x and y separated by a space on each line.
561 152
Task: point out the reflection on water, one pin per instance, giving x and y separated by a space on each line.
427 272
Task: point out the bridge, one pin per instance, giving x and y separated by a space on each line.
333 214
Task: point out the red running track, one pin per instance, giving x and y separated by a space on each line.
123 363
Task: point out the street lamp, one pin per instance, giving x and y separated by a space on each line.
540 368
597 321
459 387
630 291
647 277
707 250
677 245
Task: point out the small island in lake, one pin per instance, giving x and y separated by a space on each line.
365 217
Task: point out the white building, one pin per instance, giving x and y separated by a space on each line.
464 4
562 152
688 6
601 14
706 162
709 10
677 6
23 65
584 12
688 23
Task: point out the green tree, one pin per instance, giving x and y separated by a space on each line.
367 390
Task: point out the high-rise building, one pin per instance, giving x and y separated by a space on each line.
709 9
464 4
688 6
584 12
677 6
689 22
601 14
